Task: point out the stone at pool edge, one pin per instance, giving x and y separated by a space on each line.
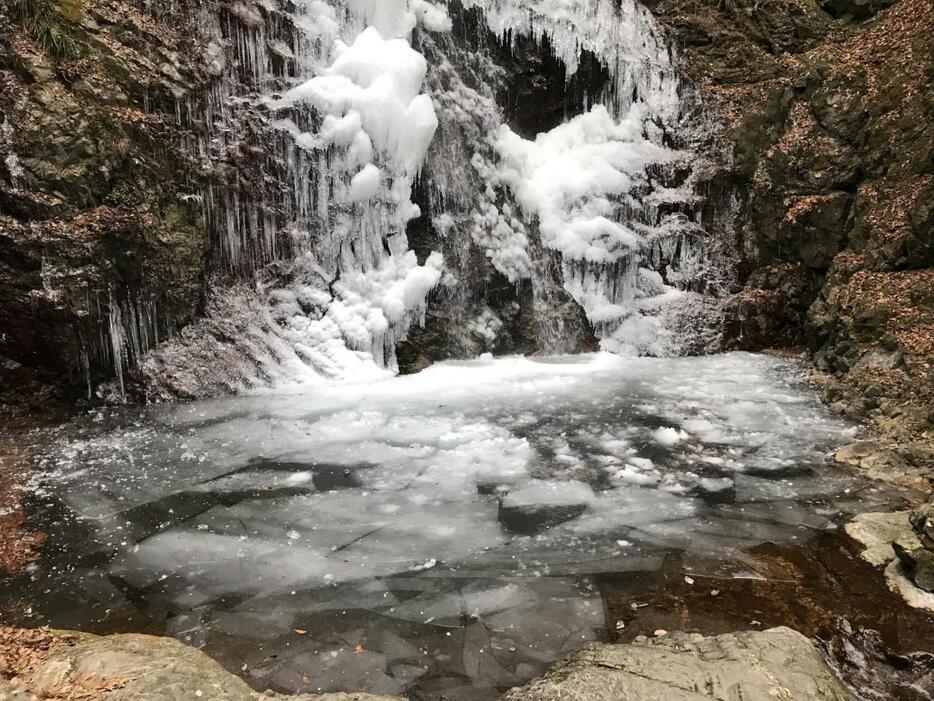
922 520
918 560
775 663
875 531
157 669
873 457
879 533
915 547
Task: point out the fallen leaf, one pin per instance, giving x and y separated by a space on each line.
358 649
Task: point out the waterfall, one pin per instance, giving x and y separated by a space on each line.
320 114
330 116
609 193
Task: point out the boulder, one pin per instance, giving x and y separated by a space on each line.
897 580
918 560
778 663
141 668
902 541
876 532
915 547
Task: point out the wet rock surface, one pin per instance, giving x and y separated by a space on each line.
903 535
915 547
682 667
822 589
876 532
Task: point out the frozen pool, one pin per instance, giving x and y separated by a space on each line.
451 524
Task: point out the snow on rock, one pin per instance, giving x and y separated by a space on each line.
397 18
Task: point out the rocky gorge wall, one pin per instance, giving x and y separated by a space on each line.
101 232
820 121
826 128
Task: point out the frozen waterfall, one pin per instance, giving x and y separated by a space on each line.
331 112
609 193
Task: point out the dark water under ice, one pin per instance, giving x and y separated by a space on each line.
441 535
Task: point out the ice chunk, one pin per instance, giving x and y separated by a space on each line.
668 436
544 504
365 184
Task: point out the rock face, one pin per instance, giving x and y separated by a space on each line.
100 236
776 663
141 668
825 131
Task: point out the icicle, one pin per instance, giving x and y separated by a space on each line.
118 343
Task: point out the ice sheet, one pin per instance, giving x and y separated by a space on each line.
467 504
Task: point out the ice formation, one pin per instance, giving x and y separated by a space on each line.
354 100
607 192
348 137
